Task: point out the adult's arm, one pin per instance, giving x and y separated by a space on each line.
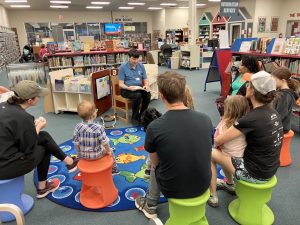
228 135
154 158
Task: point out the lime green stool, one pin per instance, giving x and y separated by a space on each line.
250 208
189 211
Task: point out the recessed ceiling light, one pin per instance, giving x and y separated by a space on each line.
154 8
136 3
20 6
60 2
59 6
126 7
15 1
100 3
168 4
94 7
202 4
183 7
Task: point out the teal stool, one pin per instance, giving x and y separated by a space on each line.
250 208
190 211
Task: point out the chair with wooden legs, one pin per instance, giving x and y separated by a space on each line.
13 210
119 103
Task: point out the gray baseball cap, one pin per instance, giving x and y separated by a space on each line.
27 89
263 82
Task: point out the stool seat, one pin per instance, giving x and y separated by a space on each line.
190 211
98 188
12 193
250 208
285 154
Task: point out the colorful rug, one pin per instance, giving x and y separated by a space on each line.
131 158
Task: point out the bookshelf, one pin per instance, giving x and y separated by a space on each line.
9 46
190 56
205 58
218 23
68 92
205 27
175 35
88 62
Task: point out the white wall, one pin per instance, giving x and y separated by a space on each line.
17 18
176 18
159 21
4 17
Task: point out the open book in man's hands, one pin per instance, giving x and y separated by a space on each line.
138 88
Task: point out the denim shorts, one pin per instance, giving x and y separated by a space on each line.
241 173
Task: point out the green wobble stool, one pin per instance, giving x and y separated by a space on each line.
250 207
189 211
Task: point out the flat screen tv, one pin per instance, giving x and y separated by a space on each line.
112 28
102 87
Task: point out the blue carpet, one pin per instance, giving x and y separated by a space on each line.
131 158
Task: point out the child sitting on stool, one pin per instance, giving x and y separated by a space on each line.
89 137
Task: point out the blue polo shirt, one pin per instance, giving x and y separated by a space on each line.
132 77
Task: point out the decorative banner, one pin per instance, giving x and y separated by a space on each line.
229 7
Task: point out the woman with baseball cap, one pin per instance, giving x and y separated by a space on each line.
24 145
263 130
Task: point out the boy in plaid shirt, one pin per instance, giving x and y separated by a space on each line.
90 138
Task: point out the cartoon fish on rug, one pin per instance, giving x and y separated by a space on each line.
140 148
126 139
125 158
131 177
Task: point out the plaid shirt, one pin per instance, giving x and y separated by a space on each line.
91 138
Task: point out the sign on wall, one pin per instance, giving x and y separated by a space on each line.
229 7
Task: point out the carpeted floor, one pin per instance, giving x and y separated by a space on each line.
284 202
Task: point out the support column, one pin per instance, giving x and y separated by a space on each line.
192 22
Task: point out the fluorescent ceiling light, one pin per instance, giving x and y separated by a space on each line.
94 7
15 1
100 3
154 8
59 6
183 7
126 7
20 6
136 3
60 2
168 4
214 0
202 4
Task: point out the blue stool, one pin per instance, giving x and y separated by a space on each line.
11 191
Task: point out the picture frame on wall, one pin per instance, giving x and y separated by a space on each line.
274 24
261 24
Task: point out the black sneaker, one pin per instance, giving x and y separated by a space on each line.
115 171
141 204
71 168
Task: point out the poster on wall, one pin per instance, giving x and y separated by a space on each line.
261 24
274 24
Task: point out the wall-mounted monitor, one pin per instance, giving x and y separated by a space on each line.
112 28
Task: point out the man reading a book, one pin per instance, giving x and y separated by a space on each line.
134 85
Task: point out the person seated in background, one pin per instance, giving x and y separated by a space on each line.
263 130
42 53
181 161
89 137
24 146
235 107
134 85
165 46
287 88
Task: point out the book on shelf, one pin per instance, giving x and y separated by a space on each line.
292 46
278 46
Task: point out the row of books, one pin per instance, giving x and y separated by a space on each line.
260 45
88 70
292 65
73 84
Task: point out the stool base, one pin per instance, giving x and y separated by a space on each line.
267 215
26 207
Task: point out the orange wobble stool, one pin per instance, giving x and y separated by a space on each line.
98 189
285 155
